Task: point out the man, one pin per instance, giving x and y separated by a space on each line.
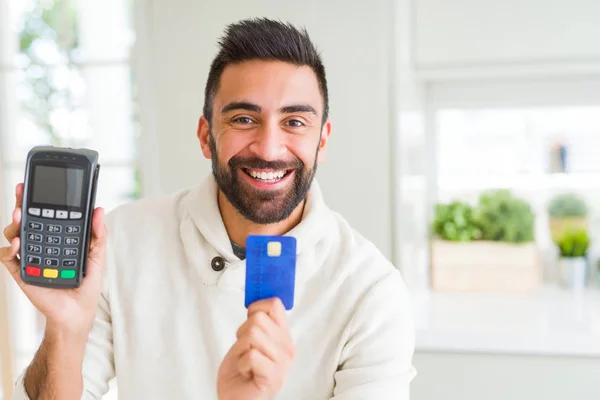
162 307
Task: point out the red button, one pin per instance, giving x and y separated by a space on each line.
33 271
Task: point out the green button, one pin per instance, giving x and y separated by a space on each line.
67 274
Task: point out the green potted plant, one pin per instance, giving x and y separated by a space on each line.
454 222
573 248
567 211
486 247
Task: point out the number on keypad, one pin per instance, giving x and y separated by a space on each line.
53 228
73 229
51 262
36 226
34 237
70 252
52 251
32 248
72 241
53 239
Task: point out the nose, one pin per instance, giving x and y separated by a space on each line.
269 142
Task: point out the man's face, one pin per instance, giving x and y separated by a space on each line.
267 137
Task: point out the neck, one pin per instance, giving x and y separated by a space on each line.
238 227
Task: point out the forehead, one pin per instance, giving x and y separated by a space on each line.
269 84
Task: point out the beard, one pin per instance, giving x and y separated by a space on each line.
256 205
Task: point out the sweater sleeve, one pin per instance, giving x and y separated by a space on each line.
376 362
98 362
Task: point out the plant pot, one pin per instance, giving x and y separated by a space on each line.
485 266
574 272
559 225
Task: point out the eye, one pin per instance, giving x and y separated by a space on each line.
242 120
295 123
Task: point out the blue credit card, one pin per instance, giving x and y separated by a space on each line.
270 269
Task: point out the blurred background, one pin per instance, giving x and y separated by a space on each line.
464 145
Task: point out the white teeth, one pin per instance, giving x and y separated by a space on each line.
267 176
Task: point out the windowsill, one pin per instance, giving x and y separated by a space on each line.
552 322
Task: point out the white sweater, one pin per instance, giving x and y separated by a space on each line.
166 319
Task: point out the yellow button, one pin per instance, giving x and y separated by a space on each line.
50 273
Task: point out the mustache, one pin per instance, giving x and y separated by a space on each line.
257 163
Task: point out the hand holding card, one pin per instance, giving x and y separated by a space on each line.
270 269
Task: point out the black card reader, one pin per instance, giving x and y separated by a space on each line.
56 225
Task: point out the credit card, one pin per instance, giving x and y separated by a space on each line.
270 269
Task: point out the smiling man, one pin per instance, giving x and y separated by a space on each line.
162 306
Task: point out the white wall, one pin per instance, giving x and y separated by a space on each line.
177 41
463 32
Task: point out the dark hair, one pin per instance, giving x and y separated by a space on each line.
268 40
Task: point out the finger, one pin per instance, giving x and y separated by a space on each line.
97 253
19 196
8 257
273 307
259 366
256 338
262 320
99 232
12 230
279 336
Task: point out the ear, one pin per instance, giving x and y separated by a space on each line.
204 137
325 132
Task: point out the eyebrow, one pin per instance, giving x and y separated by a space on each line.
240 105
244 105
297 108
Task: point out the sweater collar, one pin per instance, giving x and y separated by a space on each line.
202 224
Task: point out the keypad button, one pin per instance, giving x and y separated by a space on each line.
70 252
34 237
52 251
34 260
75 215
53 228
47 213
32 271
50 262
34 248
35 211
73 229
60 214
36 226
67 274
72 241
53 239
50 273
69 263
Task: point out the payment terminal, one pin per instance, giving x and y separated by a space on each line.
58 202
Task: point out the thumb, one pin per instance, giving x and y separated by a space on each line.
97 252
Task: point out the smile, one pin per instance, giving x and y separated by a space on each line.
267 176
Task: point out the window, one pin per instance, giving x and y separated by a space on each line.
536 137
535 152
65 80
